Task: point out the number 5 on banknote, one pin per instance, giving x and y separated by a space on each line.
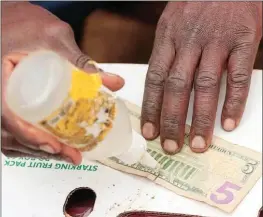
224 194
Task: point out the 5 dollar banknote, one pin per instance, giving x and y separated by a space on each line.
220 177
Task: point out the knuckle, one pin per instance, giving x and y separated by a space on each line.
203 121
206 81
155 76
245 41
252 36
239 78
82 61
164 21
244 47
177 83
57 28
164 27
249 33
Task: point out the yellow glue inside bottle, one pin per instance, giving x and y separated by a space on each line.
49 92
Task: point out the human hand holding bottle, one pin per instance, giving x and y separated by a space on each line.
20 138
22 34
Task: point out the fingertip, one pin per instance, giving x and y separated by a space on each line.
74 161
148 131
198 150
199 144
71 155
78 158
112 81
171 147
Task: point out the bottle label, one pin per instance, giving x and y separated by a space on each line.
86 115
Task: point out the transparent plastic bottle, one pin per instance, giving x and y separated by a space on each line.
49 92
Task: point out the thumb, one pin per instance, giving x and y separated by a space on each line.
111 81
67 47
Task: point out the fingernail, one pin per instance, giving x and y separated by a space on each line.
47 148
198 142
229 124
170 146
93 63
148 130
110 74
34 147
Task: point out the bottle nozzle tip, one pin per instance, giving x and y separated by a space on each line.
149 161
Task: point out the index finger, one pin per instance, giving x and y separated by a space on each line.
162 57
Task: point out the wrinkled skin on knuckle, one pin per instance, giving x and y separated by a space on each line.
245 44
82 61
177 83
239 78
155 78
206 81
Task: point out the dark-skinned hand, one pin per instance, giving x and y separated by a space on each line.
25 28
195 42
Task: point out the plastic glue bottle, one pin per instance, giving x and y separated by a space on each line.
49 92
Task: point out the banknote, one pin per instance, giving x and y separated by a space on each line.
220 177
